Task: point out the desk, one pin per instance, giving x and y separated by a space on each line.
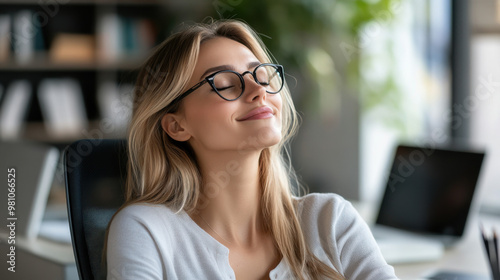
466 256
39 259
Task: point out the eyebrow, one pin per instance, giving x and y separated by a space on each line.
227 67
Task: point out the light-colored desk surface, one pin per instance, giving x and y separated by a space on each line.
39 259
466 256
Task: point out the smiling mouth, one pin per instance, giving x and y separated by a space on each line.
259 113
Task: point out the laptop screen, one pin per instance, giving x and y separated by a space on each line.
430 190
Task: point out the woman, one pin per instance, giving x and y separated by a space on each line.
208 191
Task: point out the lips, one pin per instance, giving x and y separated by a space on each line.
263 112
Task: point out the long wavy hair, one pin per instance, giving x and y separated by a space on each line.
164 171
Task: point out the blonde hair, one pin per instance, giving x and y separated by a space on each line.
164 171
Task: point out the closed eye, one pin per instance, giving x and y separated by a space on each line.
224 88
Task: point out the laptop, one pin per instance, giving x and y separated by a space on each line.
426 203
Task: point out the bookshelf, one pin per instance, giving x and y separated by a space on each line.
89 45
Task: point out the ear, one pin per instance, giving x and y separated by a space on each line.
171 124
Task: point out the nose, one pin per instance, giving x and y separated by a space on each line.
253 90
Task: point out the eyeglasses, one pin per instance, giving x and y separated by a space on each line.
230 85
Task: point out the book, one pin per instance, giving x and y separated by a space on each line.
23 36
72 48
115 105
4 37
146 33
120 36
62 106
14 109
109 37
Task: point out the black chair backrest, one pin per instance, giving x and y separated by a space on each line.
95 172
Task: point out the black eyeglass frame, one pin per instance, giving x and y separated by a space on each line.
210 80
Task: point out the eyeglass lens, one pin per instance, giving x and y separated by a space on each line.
229 84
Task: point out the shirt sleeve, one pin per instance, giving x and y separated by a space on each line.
132 252
359 254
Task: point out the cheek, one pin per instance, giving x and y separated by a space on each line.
277 102
209 122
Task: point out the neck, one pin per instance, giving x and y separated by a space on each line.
231 194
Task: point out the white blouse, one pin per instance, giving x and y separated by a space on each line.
149 241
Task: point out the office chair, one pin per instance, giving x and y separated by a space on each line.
95 178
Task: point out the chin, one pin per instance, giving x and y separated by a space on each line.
269 136
264 138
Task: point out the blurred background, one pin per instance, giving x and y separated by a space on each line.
365 75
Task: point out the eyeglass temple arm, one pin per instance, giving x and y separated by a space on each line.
186 93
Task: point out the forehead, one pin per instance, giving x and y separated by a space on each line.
223 51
